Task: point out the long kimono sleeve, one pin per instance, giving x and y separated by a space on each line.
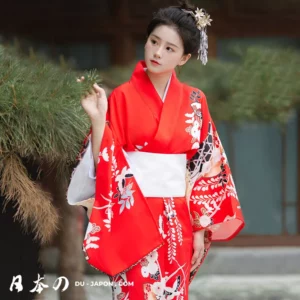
118 205
116 120
213 200
81 190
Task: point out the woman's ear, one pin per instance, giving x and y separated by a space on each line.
184 59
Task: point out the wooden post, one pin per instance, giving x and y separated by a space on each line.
212 45
298 175
71 261
71 258
122 41
122 48
284 203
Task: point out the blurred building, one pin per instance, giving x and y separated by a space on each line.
265 160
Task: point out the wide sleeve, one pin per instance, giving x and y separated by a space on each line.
116 118
81 190
118 205
82 186
213 200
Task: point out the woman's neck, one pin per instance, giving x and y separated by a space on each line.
159 81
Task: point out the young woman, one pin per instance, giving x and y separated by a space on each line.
163 187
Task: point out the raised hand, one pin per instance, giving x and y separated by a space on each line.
94 102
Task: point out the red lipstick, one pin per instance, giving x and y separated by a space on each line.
154 62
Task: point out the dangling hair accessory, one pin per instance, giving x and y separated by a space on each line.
202 21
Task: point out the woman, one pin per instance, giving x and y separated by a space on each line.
164 189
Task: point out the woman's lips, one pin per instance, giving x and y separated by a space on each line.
154 62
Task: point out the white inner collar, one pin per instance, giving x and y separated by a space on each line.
167 88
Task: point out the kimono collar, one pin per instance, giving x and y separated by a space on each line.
141 77
164 112
146 89
167 87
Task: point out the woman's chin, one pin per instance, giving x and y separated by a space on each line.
153 69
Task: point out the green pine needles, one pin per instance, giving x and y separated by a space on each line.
41 119
40 111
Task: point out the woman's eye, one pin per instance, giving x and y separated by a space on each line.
169 49
153 42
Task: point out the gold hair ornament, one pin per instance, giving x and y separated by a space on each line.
202 21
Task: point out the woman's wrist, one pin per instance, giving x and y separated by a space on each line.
97 119
201 231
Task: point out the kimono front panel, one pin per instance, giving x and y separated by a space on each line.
141 121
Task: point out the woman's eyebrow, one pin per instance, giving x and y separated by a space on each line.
166 41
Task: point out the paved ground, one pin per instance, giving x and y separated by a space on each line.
228 261
223 287
227 274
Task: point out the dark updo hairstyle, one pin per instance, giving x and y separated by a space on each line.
184 23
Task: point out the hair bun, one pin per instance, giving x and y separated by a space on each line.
185 4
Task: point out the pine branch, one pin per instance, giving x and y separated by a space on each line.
40 111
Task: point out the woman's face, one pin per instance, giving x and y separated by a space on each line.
164 50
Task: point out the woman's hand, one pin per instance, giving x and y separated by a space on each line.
198 245
94 102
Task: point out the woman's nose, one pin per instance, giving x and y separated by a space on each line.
158 53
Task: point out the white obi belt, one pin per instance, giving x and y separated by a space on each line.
158 175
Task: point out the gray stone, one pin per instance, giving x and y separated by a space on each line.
250 261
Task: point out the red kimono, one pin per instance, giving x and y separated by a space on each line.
145 244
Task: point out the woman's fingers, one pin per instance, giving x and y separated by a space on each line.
97 87
201 252
100 91
96 90
92 92
196 264
195 256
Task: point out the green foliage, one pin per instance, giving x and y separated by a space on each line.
265 86
117 75
40 111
